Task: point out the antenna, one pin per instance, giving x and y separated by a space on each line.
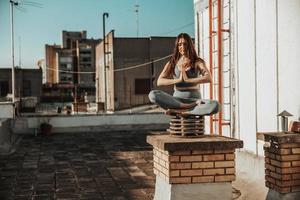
18 5
19 51
136 10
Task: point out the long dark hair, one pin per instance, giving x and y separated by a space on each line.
191 54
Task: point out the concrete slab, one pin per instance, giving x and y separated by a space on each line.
250 177
203 191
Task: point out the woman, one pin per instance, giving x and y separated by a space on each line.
186 71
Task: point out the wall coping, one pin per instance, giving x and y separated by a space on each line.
282 137
167 142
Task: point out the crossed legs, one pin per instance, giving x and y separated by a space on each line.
167 101
173 104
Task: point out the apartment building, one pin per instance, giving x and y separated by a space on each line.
127 88
76 54
73 62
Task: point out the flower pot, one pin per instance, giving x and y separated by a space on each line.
46 129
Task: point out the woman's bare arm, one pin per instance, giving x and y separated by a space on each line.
163 80
205 78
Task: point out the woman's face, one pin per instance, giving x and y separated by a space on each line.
182 46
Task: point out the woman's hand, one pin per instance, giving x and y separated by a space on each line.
185 78
184 68
186 64
205 78
163 79
181 79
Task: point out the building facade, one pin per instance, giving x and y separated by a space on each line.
65 66
65 62
86 53
73 62
50 68
127 88
28 82
259 46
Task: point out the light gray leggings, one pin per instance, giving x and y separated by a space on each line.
166 101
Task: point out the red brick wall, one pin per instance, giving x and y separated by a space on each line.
199 166
282 167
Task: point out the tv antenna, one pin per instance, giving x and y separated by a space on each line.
18 4
136 10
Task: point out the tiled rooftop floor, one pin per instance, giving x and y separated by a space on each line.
79 166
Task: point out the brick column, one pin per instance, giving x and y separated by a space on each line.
80 106
282 165
197 164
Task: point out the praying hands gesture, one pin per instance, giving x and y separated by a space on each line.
183 74
184 66
183 69
205 78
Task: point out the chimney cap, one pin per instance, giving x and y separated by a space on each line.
284 114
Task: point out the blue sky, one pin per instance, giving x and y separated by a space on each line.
39 26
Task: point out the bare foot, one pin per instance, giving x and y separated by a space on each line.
174 111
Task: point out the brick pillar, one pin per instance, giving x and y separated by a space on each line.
79 106
199 165
282 165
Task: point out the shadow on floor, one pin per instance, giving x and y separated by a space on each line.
110 166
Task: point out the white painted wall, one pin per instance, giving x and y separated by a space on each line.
246 65
289 55
93 123
6 110
266 65
266 51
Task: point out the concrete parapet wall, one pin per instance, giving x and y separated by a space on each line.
93 123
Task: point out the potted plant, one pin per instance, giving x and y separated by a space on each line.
46 128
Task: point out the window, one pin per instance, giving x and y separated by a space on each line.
69 66
85 52
63 66
68 43
26 88
3 88
65 59
86 59
63 78
142 86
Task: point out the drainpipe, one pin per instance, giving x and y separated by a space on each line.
104 62
277 67
237 68
255 77
202 47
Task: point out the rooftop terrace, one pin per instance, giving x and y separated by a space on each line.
110 166
79 166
